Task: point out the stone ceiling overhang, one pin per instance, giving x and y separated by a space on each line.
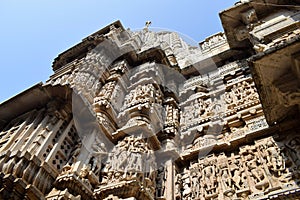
235 18
275 75
35 97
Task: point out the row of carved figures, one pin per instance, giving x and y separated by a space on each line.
242 93
255 171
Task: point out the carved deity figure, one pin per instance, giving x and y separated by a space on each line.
275 160
195 184
257 171
105 93
209 176
230 99
237 179
226 179
203 107
135 161
235 171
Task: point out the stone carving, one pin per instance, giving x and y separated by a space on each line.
201 122
84 176
142 94
186 194
178 186
249 16
274 158
201 113
213 41
257 168
131 159
75 153
105 123
103 98
198 108
293 147
98 156
171 125
209 178
227 182
161 182
172 116
241 94
195 185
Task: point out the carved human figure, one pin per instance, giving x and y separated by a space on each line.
251 91
135 161
195 184
257 172
150 165
226 179
75 153
98 155
117 176
160 182
183 117
240 179
209 176
90 82
186 185
275 160
149 185
203 106
139 92
178 186
237 91
196 108
237 179
129 98
230 99
120 157
83 174
106 178
189 114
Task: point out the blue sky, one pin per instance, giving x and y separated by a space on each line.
34 32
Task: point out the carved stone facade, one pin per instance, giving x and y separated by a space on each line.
145 115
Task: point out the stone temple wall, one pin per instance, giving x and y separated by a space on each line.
148 115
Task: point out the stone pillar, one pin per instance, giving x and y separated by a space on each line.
170 185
